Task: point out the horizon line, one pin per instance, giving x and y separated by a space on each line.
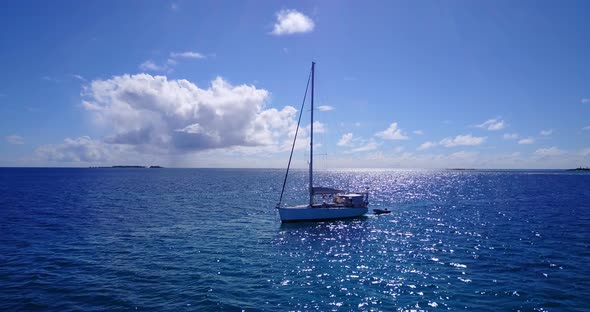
277 168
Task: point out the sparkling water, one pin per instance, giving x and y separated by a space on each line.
210 240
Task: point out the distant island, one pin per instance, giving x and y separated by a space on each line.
580 169
129 167
460 169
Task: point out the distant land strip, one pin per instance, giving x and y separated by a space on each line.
580 169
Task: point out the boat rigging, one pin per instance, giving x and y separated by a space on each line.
341 204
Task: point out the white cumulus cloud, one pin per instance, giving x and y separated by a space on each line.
292 22
177 115
346 140
392 133
493 124
463 140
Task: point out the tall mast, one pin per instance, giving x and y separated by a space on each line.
311 140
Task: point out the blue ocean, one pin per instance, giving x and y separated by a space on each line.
91 239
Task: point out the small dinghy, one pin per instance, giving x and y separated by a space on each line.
381 211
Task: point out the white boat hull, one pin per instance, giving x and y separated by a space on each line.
307 213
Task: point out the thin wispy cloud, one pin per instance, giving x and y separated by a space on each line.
50 78
150 66
187 54
325 108
510 136
370 146
426 145
463 140
33 109
79 77
528 140
548 152
292 22
15 139
546 132
585 100
82 149
392 133
586 128
464 156
418 132
493 124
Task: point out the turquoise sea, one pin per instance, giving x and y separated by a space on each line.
210 240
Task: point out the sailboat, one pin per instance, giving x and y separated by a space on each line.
324 202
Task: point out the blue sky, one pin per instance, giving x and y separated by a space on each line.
403 84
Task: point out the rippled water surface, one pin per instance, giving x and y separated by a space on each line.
210 240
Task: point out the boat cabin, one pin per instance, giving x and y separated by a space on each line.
352 200
338 198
